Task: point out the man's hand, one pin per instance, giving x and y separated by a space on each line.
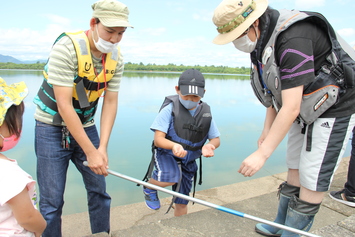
97 162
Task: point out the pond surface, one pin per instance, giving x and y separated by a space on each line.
237 112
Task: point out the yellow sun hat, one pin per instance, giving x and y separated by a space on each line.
10 95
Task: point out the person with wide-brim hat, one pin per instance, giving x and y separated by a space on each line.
288 50
233 18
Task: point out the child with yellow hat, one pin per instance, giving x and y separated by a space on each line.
18 213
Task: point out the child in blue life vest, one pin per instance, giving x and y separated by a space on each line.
18 213
181 129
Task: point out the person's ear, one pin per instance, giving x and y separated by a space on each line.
92 23
256 23
177 89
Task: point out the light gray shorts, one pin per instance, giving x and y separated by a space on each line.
318 152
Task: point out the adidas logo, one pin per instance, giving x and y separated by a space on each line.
325 125
193 80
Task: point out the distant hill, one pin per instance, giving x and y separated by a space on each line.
10 59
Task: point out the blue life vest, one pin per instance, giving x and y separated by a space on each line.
189 131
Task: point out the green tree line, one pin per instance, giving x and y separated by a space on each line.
180 68
33 66
148 68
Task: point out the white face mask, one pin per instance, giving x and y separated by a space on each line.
102 45
245 44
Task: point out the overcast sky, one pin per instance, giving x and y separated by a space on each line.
179 32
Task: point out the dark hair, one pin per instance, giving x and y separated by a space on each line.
13 118
97 20
264 18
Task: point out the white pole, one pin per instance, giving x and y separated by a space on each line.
208 204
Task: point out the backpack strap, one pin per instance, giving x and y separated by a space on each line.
309 137
176 187
149 172
200 181
195 178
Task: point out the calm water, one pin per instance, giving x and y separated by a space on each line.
237 112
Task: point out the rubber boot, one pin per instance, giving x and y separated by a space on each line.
286 191
300 215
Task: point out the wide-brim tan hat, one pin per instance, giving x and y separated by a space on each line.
111 13
233 17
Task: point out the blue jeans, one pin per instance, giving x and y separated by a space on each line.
52 166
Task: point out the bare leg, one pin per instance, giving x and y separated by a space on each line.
160 184
307 195
180 209
293 177
311 196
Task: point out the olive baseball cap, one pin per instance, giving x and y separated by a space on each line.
111 13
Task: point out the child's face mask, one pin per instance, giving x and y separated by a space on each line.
188 104
9 142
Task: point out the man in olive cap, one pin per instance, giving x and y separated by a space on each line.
82 67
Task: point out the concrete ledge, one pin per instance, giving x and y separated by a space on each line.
344 228
254 197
